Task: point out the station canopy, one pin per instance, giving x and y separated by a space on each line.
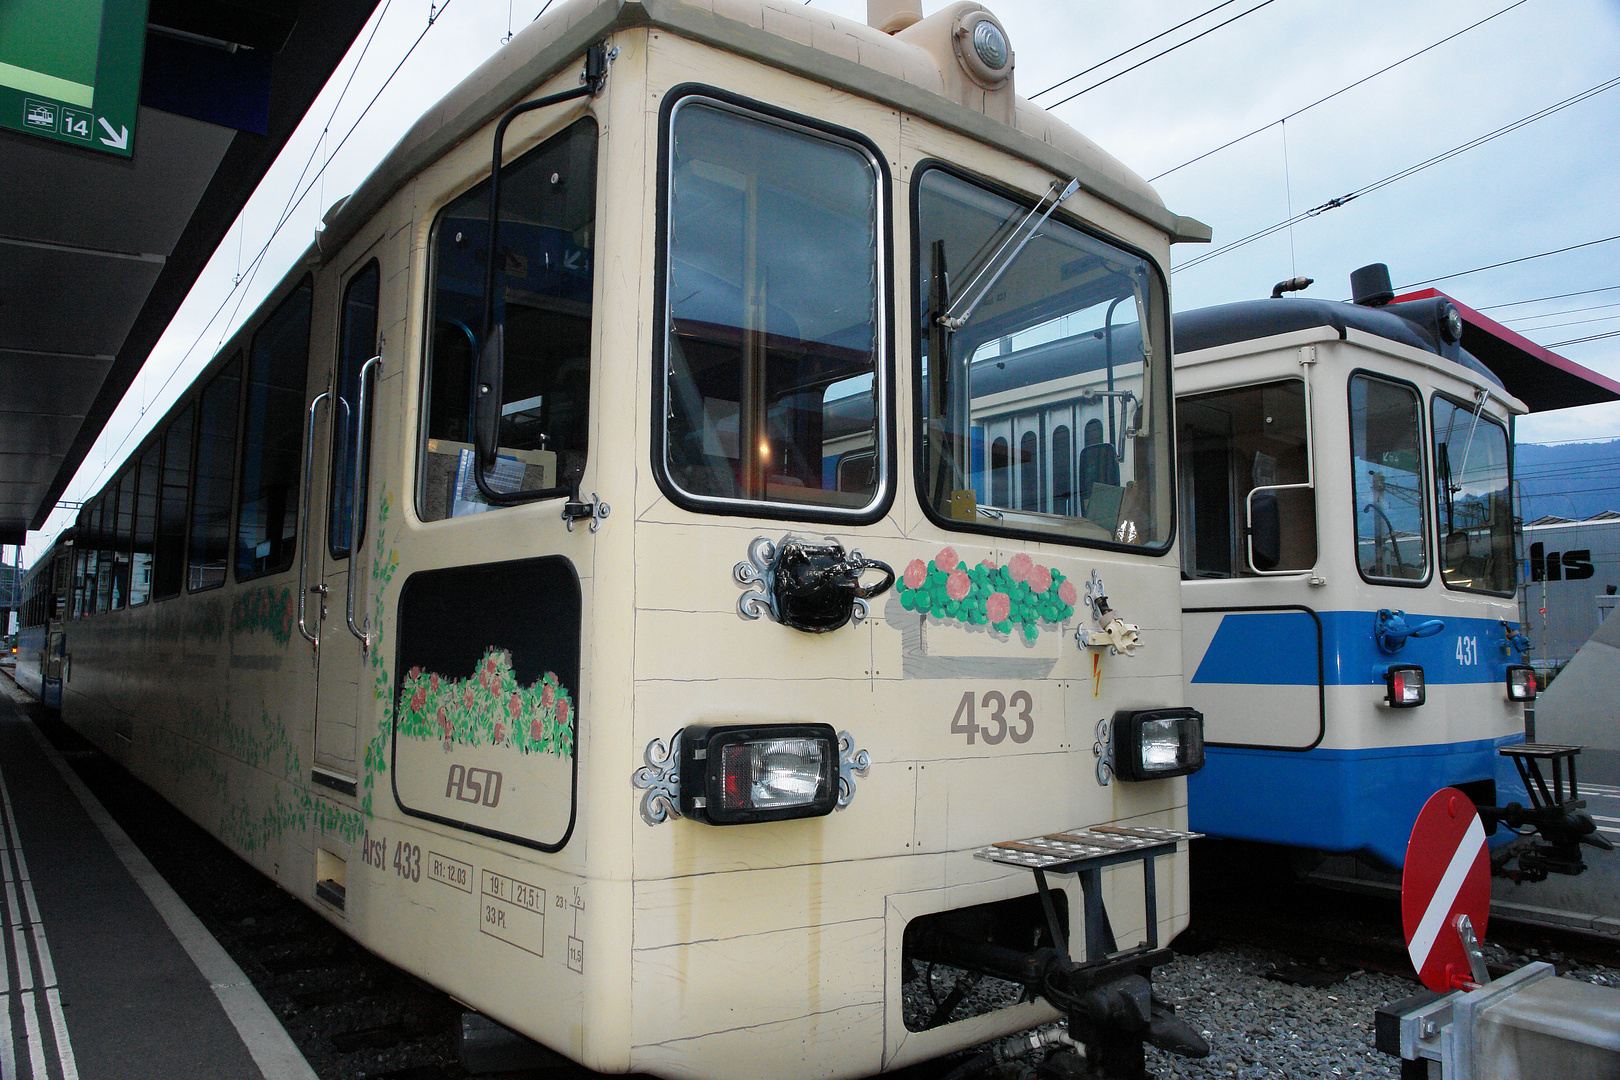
131 134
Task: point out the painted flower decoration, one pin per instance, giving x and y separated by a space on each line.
535 719
1020 596
916 574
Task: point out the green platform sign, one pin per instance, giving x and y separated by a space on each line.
70 70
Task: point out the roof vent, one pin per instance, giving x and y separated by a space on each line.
893 16
1370 286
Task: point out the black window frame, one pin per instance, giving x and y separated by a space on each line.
885 482
1425 484
1507 433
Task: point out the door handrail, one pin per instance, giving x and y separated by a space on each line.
356 498
303 541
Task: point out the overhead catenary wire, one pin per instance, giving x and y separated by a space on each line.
1336 93
1510 262
1335 203
1156 55
1133 48
1540 299
243 281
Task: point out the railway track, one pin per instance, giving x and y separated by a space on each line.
1282 977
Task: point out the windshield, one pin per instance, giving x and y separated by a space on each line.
1047 408
1474 507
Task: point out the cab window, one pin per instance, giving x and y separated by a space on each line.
771 307
1043 372
1473 507
1237 451
543 297
1386 457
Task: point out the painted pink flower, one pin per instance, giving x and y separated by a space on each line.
467 696
1020 567
419 698
490 664
537 730
483 679
916 574
414 673
1040 578
957 585
515 706
433 684
946 560
989 564
546 697
444 722
998 607
563 711
1068 593
500 731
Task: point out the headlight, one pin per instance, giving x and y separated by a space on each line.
1521 682
737 774
1404 685
1157 743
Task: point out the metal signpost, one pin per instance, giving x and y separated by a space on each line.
70 70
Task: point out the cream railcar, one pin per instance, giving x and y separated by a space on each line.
525 606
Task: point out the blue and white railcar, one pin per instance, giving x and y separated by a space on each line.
1351 627
42 614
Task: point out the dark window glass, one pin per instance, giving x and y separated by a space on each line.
1074 329
272 439
106 507
543 296
83 566
1062 466
357 343
123 537
1386 449
1473 505
146 498
169 565
1244 452
1029 472
1000 466
211 483
772 301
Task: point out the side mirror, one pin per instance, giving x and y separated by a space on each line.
487 397
1265 530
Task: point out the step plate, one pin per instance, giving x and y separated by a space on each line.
1076 847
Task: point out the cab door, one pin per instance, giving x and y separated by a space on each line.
339 459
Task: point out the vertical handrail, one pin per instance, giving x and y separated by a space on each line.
303 541
356 497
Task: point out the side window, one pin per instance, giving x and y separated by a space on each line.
211 479
1473 504
80 571
169 564
1228 443
103 517
772 308
357 343
543 296
146 499
272 434
1386 455
123 534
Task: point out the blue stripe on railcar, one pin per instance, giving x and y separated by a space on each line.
1339 800
1263 647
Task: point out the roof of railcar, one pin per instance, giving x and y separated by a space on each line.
782 33
1540 378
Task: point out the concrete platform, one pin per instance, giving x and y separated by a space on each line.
104 973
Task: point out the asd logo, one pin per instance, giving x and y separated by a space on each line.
473 785
1553 566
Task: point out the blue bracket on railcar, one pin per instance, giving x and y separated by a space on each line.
1390 629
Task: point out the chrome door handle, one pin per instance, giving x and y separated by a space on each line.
356 497
303 541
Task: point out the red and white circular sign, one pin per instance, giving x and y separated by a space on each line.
1448 873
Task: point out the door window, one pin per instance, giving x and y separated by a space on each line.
1386 452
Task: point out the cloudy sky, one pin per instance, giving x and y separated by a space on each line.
1546 185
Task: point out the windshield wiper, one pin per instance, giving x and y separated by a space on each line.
997 264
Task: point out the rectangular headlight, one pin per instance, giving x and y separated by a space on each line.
1157 743
1521 682
1404 686
736 774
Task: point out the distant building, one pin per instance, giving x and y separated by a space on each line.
1569 573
